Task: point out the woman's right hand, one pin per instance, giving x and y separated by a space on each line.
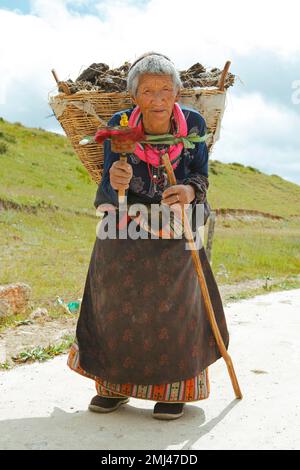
120 174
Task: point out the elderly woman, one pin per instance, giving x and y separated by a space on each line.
143 331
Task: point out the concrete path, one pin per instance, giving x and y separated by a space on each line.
44 405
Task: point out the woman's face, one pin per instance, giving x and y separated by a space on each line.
156 97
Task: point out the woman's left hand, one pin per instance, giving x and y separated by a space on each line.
178 194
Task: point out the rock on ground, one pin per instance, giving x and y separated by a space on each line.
14 298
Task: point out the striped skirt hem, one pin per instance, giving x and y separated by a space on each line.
188 390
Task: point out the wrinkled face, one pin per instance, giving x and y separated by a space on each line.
156 96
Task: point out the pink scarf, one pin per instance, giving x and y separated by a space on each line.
148 153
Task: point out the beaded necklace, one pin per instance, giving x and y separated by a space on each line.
155 175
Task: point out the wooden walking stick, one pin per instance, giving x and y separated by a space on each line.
203 287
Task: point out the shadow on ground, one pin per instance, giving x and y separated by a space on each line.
128 427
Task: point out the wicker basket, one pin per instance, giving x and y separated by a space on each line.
83 112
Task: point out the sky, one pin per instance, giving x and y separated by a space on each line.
261 123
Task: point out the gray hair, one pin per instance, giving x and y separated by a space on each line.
151 63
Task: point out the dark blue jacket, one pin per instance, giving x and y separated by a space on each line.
192 168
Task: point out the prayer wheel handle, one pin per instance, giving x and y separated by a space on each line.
223 76
123 157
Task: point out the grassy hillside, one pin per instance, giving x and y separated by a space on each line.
47 229
40 167
236 186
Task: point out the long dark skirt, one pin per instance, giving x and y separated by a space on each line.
143 318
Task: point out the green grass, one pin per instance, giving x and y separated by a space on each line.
252 250
40 167
286 284
50 251
239 187
42 354
5 365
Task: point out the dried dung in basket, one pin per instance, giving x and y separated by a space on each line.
81 106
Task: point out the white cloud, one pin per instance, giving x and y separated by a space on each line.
261 135
51 35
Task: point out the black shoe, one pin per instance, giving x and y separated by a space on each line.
106 404
167 410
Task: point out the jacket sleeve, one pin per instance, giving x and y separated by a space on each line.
198 170
105 192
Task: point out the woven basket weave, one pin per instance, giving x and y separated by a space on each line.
83 112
